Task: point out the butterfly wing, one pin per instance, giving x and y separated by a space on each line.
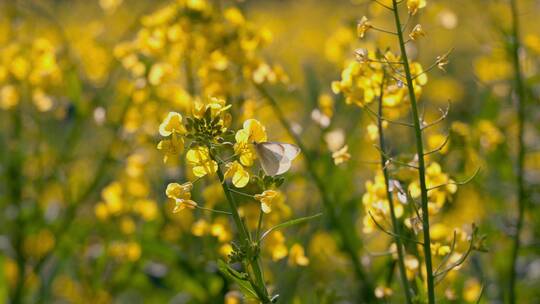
269 157
291 151
276 157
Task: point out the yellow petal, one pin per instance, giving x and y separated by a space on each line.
265 208
240 179
172 123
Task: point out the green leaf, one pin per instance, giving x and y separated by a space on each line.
289 224
235 276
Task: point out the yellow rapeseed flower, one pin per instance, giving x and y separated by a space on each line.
234 16
363 26
158 72
435 178
112 195
417 32
252 131
376 205
200 228
216 105
181 194
415 5
199 158
382 292
297 256
240 177
341 156
411 266
472 290
266 198
172 124
9 97
233 297
490 135
177 191
171 147
275 244
221 230
42 101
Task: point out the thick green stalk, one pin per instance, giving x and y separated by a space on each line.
520 98
389 196
421 162
348 237
245 240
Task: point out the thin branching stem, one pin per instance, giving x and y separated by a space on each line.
380 254
389 159
390 233
457 183
383 30
213 210
461 260
449 254
444 114
440 147
431 67
240 193
389 197
520 181
421 163
379 116
398 73
384 61
382 4
481 294
404 27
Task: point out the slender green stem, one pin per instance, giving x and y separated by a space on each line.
349 238
256 265
259 225
520 98
15 190
244 234
245 240
389 196
421 162
383 31
213 210
241 193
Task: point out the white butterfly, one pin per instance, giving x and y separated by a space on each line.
276 157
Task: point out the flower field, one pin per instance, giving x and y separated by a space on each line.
269 151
